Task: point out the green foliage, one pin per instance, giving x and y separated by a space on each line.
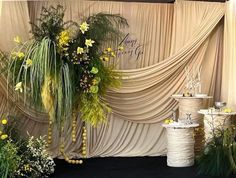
9 159
105 27
50 23
219 155
35 161
23 157
45 63
110 79
3 63
92 109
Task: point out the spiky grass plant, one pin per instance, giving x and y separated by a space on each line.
63 69
218 158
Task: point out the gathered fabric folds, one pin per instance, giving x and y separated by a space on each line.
165 39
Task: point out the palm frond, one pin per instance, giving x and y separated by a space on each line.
106 27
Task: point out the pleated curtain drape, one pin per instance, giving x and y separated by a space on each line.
169 37
229 72
0 6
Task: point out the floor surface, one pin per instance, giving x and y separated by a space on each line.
133 167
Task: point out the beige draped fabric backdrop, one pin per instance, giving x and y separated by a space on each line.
229 72
0 6
162 39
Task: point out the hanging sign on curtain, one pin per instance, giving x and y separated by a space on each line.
133 50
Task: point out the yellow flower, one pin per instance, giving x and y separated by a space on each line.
64 35
96 80
227 110
28 62
121 48
20 55
4 121
17 39
0 132
89 42
171 121
113 54
63 39
80 50
84 27
19 87
168 121
4 136
106 59
109 49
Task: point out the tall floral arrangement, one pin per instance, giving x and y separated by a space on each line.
62 68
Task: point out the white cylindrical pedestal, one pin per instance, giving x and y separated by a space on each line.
215 120
180 145
191 105
212 122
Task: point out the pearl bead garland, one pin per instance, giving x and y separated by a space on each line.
84 145
67 159
74 129
50 126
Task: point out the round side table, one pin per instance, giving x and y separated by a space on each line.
192 105
215 119
180 144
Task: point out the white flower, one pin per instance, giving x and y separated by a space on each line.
84 27
19 87
80 50
17 39
38 157
89 42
